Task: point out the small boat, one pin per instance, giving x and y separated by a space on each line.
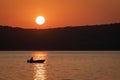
35 61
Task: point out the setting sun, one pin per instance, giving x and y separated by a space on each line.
40 20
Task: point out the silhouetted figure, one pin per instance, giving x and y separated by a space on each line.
31 59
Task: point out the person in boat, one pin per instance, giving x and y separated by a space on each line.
31 59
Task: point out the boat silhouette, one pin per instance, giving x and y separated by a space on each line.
35 61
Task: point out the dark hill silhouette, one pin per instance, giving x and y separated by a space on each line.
96 37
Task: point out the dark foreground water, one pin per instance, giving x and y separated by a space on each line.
60 65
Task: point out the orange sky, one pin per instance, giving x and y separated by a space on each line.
58 13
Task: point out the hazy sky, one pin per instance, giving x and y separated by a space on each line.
58 13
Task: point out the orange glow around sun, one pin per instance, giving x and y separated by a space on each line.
31 14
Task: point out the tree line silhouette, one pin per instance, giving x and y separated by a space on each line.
94 37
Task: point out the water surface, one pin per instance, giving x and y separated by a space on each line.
60 65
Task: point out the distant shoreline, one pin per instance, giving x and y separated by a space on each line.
96 37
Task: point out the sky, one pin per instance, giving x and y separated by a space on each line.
58 13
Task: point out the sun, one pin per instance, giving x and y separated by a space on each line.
40 20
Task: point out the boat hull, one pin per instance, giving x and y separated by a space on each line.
36 61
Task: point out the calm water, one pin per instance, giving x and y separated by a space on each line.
60 65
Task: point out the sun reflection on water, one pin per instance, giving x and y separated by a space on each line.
39 68
39 55
40 72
